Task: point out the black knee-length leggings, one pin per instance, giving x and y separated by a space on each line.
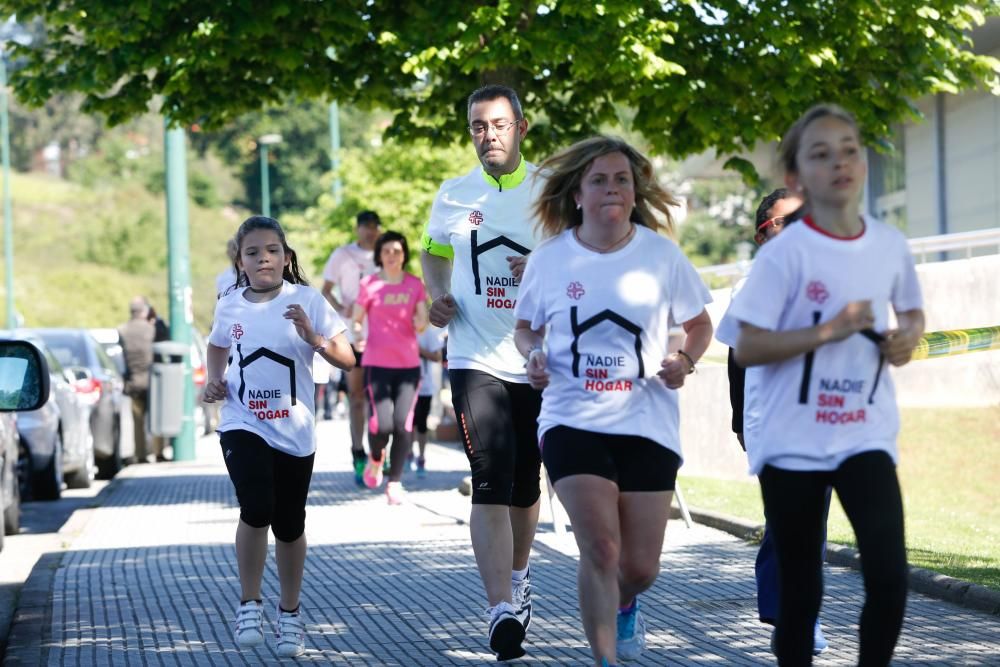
392 396
794 504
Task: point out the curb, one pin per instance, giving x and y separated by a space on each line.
934 584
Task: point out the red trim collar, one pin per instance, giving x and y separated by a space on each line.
812 225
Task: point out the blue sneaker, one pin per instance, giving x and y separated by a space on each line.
631 639
819 641
359 471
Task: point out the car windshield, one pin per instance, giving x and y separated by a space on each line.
70 349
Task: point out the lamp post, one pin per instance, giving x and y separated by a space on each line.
335 150
265 186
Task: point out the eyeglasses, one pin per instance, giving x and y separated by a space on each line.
775 223
501 126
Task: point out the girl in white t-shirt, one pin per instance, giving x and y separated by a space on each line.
600 293
260 355
814 317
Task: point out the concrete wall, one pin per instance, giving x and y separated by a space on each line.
958 294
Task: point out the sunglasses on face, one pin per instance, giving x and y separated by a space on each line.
775 223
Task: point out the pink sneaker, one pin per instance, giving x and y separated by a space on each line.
395 493
373 472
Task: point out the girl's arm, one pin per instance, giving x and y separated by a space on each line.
215 385
420 317
758 346
679 364
899 342
529 343
336 351
357 317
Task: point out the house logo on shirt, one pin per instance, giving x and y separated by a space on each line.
497 286
476 218
258 399
816 291
598 366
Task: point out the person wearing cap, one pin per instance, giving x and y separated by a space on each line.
774 211
344 270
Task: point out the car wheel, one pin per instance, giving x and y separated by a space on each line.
81 478
12 515
110 466
46 484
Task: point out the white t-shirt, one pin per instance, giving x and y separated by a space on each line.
269 382
607 328
430 340
816 410
728 332
345 268
485 222
224 281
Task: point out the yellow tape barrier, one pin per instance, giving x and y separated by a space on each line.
959 341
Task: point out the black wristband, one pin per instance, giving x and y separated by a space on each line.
690 360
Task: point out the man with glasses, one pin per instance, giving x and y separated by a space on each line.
480 231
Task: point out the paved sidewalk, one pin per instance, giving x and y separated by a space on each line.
149 578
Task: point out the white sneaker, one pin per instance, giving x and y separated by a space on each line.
521 595
506 632
291 636
249 624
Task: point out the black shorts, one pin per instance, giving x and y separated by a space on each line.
632 462
498 421
271 486
420 414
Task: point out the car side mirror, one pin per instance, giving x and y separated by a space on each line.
24 376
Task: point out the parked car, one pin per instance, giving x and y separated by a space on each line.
23 386
100 384
206 414
56 443
10 490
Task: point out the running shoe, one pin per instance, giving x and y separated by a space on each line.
359 470
506 632
819 641
290 639
521 596
249 624
395 493
421 466
373 473
386 465
631 638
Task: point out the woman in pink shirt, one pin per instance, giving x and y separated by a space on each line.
395 304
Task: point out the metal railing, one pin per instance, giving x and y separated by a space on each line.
925 248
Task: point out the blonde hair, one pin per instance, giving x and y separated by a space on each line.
563 173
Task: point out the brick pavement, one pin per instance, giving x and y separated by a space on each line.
149 578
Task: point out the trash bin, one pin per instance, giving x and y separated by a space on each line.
166 389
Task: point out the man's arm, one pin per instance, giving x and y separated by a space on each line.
327 292
437 274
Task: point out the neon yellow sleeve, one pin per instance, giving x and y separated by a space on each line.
432 247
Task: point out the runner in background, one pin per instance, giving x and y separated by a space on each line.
344 270
771 216
394 304
593 323
814 316
480 230
260 353
431 343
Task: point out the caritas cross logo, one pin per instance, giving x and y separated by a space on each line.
237 331
476 218
575 290
816 291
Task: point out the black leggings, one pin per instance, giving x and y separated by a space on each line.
794 504
392 394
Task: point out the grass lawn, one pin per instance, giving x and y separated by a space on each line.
950 474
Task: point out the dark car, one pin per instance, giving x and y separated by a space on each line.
100 384
56 443
23 386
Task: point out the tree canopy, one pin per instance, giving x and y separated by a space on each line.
720 74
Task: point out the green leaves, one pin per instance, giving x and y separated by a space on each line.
722 75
